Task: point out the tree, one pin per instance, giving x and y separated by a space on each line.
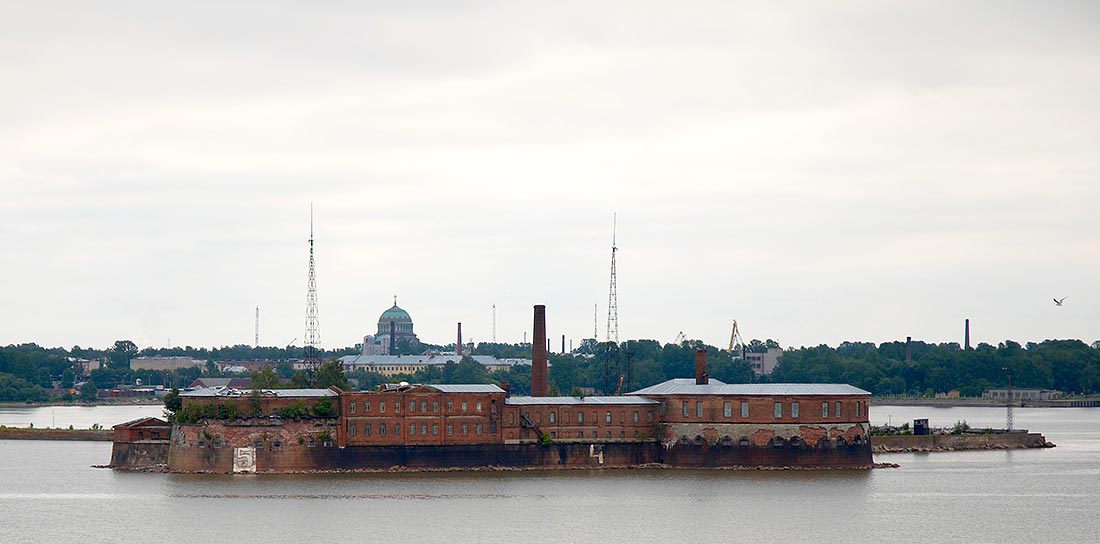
172 400
122 352
88 391
266 378
67 378
331 374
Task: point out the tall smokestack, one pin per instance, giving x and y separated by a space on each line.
701 377
966 342
458 345
908 348
539 347
563 344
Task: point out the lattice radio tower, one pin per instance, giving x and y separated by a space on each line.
257 341
313 335
613 294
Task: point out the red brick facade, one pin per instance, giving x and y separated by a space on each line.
420 415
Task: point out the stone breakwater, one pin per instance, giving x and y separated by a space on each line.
957 442
55 434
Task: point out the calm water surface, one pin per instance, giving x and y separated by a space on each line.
49 493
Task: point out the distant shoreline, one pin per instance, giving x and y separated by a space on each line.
974 402
100 402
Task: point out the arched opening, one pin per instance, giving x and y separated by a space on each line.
778 442
744 442
727 441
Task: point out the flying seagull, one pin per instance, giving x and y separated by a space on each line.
1059 301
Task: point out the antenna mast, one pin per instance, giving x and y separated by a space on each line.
313 336
494 323
257 342
613 295
595 322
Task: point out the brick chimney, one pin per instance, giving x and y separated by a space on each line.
701 377
539 385
458 345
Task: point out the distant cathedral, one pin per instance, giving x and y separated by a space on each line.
393 325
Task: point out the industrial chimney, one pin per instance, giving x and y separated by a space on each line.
966 340
701 377
539 385
458 345
908 348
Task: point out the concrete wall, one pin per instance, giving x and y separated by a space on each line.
295 446
137 455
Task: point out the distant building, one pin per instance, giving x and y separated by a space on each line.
237 383
394 325
764 363
85 366
164 363
390 365
1022 394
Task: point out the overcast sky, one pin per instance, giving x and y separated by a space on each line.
819 172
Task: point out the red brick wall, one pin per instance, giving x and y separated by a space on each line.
761 409
439 418
595 425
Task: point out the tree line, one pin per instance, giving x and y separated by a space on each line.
28 371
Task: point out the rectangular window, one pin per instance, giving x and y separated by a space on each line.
684 408
777 408
727 409
366 429
825 409
412 405
397 429
450 429
366 406
478 406
553 418
450 406
351 407
838 408
478 428
412 429
465 428
351 429
423 406
382 429
435 406
580 417
744 408
382 406
635 416
649 416
794 409
397 407
463 406
423 428
435 429
607 418
698 408
859 408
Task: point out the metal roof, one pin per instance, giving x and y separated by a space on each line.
606 401
466 388
232 392
687 386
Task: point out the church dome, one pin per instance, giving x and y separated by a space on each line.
395 314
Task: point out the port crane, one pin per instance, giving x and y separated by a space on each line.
736 341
